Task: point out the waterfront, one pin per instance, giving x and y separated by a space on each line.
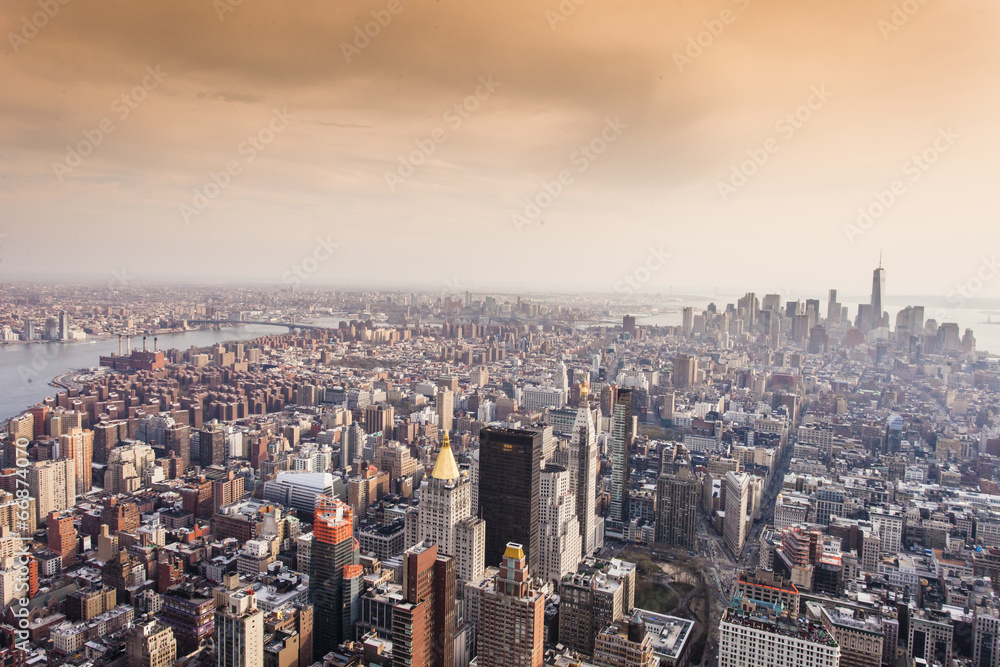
28 369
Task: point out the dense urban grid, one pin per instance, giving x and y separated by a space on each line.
401 479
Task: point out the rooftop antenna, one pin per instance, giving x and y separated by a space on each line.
880 258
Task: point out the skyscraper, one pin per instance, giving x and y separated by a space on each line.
333 548
239 625
583 476
621 449
685 371
735 522
445 408
212 446
513 615
559 527
510 466
676 509
423 625
53 485
445 503
78 445
878 293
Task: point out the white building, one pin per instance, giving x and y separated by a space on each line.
754 639
559 527
445 504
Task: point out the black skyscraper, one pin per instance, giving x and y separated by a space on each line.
510 463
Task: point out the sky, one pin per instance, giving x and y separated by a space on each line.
636 147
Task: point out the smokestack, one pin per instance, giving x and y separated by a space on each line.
143 343
156 345
119 345
128 344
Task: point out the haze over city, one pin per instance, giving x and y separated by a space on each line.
542 334
692 90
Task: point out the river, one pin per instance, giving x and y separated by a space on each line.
27 369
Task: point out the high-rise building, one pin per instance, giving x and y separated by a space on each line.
762 638
53 485
378 418
354 445
445 408
687 321
986 637
598 594
628 325
62 537
150 643
333 549
685 371
677 508
622 425
559 527
510 467
78 445
513 616
423 624
833 310
177 439
227 490
239 625
212 446
878 294
583 476
734 527
445 503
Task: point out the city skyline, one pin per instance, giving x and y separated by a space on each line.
679 102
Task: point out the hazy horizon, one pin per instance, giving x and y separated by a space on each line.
409 155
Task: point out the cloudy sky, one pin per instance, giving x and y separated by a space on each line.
514 144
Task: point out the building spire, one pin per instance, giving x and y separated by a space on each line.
445 467
880 258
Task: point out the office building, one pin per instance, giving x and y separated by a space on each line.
734 526
423 624
212 446
685 371
878 294
598 594
622 432
445 403
758 636
446 504
583 476
559 527
510 466
677 509
512 615
333 549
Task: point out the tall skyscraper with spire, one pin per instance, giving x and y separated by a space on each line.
444 515
583 476
878 293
